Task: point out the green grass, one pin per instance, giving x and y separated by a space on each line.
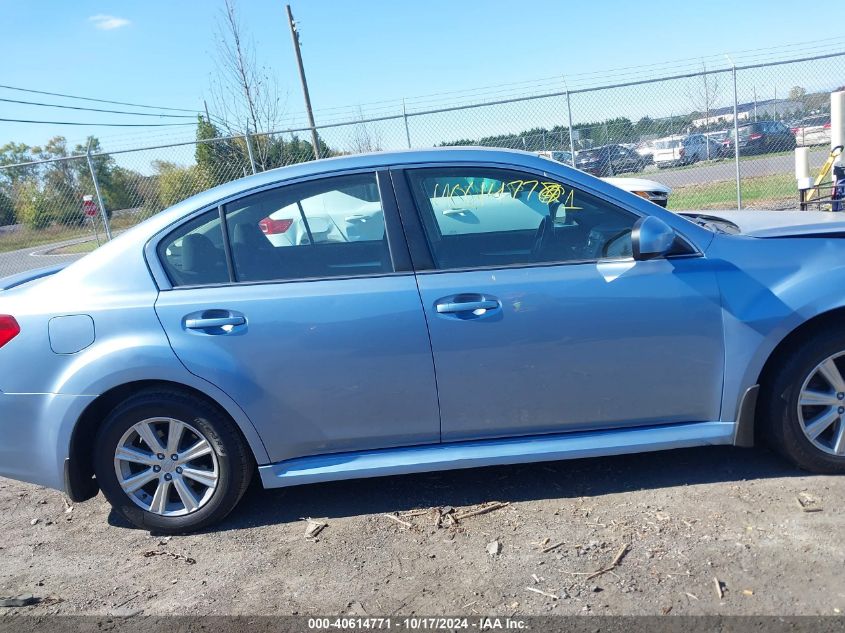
30 238
776 191
27 238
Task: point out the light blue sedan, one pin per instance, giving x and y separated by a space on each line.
470 307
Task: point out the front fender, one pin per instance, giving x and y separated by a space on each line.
769 288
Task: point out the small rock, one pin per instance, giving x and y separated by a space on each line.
596 589
494 548
34 522
313 528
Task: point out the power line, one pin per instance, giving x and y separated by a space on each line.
67 96
96 124
70 107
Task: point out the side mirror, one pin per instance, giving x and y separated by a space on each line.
651 238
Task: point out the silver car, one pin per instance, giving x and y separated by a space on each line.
507 309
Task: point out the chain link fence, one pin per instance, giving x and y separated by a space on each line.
719 138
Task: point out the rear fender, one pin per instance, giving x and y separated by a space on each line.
124 360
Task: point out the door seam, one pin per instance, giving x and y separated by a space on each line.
424 313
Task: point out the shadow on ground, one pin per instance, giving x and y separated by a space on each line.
527 482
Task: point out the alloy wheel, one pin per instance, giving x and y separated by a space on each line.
821 406
166 466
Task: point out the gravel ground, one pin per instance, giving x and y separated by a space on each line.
690 519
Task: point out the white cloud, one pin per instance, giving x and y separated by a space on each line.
108 22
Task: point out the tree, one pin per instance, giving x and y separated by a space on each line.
35 207
175 183
797 93
245 95
363 138
220 160
13 154
7 210
704 92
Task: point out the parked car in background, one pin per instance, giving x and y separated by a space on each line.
814 130
760 137
561 156
339 216
648 189
675 151
608 160
646 151
512 310
717 137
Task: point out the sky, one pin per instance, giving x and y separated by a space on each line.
162 53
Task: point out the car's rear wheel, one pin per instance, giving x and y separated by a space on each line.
170 462
803 412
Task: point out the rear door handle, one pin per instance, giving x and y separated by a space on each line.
202 324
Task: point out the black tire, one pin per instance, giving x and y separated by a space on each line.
234 460
778 421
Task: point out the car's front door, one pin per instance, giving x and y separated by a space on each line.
541 321
321 339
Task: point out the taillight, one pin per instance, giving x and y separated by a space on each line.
754 137
269 226
827 125
9 329
681 152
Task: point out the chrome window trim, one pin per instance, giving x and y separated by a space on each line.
570 262
297 280
157 270
696 251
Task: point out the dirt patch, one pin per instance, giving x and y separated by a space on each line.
703 531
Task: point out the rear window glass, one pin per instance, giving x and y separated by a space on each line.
747 130
667 144
194 254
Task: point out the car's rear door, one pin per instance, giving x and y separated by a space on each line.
541 321
322 341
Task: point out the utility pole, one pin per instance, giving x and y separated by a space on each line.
294 34
755 104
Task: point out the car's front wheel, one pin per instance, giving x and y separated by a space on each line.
170 462
803 406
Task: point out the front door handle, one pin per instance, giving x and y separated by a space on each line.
467 305
203 324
